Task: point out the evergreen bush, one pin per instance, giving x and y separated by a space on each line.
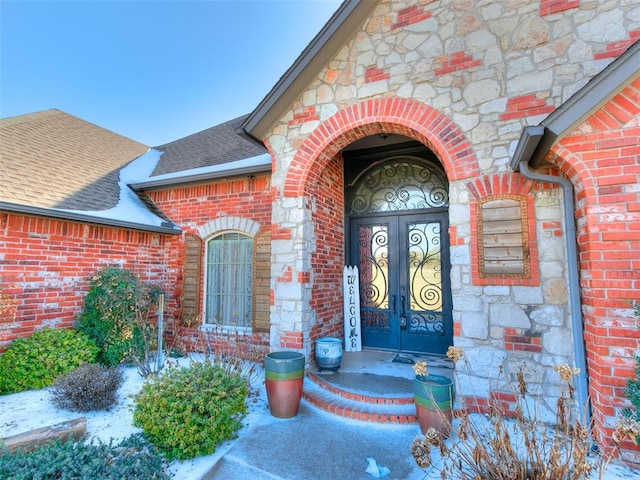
132 459
88 387
114 304
36 361
187 411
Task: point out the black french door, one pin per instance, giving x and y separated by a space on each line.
405 293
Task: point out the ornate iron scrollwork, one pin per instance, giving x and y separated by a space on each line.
403 183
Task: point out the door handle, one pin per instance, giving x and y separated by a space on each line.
403 315
394 307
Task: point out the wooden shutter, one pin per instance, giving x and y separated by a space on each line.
503 238
191 279
262 281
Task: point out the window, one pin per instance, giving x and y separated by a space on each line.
229 279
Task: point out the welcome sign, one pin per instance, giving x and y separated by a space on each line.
352 335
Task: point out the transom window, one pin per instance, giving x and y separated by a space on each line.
229 274
402 183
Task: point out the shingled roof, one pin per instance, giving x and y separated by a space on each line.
56 165
51 159
214 146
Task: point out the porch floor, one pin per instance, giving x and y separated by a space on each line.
371 386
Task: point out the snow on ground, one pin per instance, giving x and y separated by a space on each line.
31 409
24 411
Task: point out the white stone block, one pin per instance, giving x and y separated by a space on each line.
508 315
534 82
482 91
605 27
480 40
460 255
548 315
558 341
475 325
527 295
371 89
288 291
467 303
466 121
496 290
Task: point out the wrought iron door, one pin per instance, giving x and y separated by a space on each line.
404 281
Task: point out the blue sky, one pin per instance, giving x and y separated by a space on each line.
151 70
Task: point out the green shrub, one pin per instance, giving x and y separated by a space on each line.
187 412
113 308
132 459
88 387
36 361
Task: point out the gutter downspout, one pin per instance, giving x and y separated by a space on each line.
577 329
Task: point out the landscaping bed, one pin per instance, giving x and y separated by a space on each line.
33 409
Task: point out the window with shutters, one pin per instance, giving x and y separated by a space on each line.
229 280
237 275
503 237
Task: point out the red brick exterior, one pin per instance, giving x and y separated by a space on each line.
192 207
525 106
328 260
46 263
602 158
547 7
46 266
373 74
381 115
455 62
615 49
411 15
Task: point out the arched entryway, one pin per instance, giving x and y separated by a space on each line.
313 250
396 207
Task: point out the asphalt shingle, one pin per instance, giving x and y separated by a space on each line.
51 159
213 146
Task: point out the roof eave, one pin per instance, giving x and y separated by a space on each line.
598 91
198 178
335 32
84 218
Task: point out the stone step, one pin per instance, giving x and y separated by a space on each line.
349 403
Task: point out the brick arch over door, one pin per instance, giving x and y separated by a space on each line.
385 115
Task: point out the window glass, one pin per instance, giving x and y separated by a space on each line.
229 274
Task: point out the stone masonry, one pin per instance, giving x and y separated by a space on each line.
489 68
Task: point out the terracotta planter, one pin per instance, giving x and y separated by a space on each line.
284 375
433 395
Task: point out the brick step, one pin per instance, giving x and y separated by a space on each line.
364 407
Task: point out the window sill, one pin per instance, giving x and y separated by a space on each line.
225 329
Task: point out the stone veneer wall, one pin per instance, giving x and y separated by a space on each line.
478 71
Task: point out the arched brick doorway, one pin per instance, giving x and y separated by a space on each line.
316 175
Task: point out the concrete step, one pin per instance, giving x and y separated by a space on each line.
349 402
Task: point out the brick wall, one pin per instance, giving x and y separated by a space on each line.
45 266
191 207
603 156
328 260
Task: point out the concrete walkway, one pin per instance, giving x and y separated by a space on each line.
316 445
